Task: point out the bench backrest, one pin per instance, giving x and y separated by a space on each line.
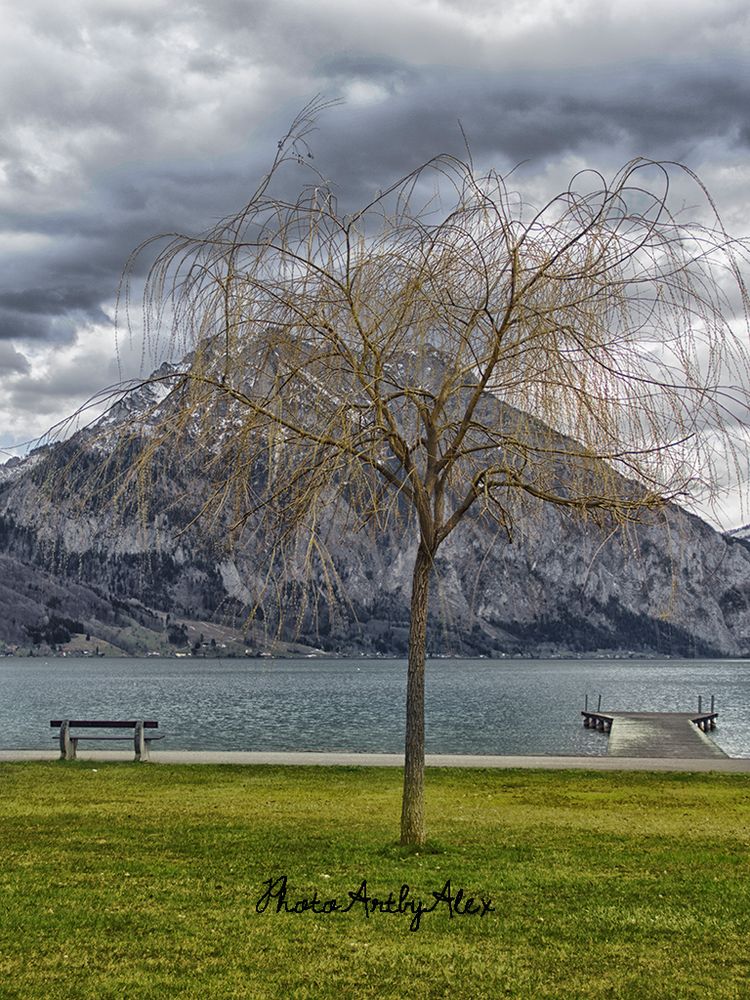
102 723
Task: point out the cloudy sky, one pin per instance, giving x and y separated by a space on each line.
125 118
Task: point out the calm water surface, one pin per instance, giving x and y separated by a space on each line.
473 706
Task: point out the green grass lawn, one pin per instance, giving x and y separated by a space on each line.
126 880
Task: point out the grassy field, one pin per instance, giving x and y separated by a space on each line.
126 880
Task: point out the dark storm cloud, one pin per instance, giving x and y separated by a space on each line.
650 111
341 68
12 361
121 120
19 327
79 264
48 301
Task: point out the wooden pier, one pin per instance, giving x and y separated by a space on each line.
656 734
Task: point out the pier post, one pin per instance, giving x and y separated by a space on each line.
599 704
700 705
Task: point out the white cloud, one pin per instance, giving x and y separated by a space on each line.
50 382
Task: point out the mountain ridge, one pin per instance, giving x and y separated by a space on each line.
669 585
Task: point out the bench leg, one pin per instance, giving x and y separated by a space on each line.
140 743
68 743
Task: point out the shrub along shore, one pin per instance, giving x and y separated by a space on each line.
120 880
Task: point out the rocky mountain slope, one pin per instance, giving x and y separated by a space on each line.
74 576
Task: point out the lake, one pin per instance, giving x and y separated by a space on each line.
473 706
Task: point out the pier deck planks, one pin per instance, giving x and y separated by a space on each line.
658 734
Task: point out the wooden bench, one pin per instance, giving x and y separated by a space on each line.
69 741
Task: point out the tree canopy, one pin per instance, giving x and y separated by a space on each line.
448 348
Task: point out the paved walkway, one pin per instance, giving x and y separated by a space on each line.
609 763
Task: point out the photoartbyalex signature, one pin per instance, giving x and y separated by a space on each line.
459 904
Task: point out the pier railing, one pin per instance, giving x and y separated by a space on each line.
603 720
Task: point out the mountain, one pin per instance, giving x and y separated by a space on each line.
74 576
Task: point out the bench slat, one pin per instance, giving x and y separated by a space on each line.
110 724
75 736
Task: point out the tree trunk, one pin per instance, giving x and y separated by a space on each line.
412 810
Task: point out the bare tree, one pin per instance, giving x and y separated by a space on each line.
448 349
